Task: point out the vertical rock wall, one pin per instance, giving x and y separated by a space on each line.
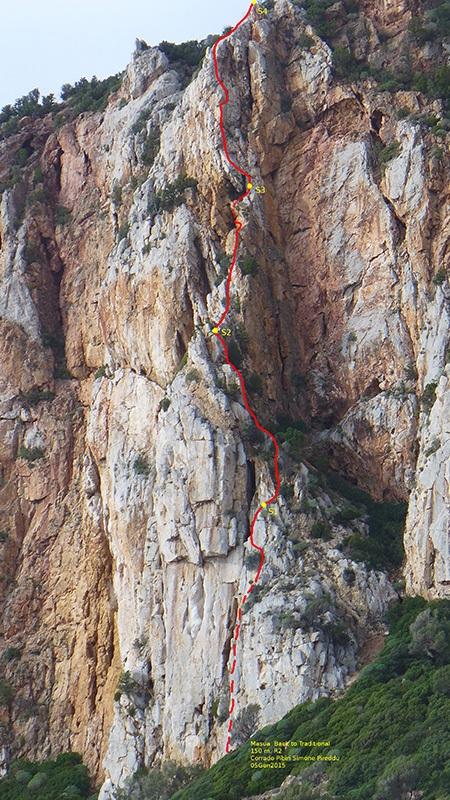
128 469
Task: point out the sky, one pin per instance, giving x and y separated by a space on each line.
46 43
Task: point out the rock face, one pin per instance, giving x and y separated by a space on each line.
128 466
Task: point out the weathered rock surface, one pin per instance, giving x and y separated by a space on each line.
126 489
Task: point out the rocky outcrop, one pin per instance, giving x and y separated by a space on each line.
129 470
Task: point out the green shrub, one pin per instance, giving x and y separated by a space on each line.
30 105
123 231
440 276
440 86
101 372
316 12
90 95
347 514
234 353
441 681
389 152
31 253
116 195
286 103
411 371
165 403
394 694
151 148
55 341
193 376
320 530
158 783
245 723
190 53
431 634
428 397
22 776
182 363
295 440
254 384
419 33
252 559
383 547
125 685
31 454
141 466
225 261
6 693
172 195
399 779
33 398
305 41
253 435
12 654
141 120
433 447
22 157
63 374
48 780
232 389
63 215
286 491
345 63
441 17
40 195
59 121
37 782
249 266
242 335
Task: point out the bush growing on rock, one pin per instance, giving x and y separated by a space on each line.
31 453
90 95
172 195
30 105
190 53
150 148
428 397
440 276
321 530
141 465
12 654
63 215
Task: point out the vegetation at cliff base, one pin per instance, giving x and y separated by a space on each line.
66 777
158 783
383 547
389 734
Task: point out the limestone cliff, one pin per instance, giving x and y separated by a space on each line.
128 467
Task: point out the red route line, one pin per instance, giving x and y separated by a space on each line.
216 331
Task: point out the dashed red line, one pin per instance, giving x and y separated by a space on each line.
238 226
